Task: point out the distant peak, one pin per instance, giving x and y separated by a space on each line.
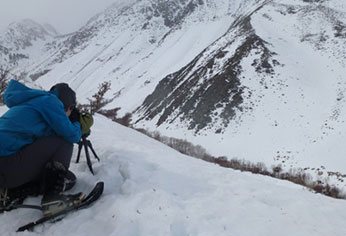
22 34
27 23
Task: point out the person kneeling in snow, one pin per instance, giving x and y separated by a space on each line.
36 143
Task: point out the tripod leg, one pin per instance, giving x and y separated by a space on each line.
93 151
80 145
88 158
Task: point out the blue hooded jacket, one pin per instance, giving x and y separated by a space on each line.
33 114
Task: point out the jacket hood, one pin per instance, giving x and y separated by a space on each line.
17 93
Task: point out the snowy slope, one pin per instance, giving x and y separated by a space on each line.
132 46
285 97
294 115
151 189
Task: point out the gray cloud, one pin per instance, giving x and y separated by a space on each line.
65 15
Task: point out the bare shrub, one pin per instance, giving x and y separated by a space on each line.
222 161
333 191
318 188
111 113
143 131
236 164
5 76
277 170
328 190
3 83
125 120
98 100
181 145
298 176
258 168
207 157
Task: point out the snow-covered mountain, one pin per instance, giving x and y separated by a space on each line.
253 79
151 189
22 41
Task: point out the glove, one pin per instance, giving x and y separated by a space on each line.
75 115
86 121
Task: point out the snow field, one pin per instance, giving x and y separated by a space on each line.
151 189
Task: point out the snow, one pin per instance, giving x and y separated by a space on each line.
151 189
290 117
133 58
297 121
297 116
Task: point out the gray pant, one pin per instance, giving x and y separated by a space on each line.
27 164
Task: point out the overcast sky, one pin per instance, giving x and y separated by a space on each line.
64 15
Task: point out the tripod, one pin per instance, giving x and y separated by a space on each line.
84 142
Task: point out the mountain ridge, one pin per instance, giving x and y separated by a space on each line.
255 80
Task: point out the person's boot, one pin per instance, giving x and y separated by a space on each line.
54 183
16 196
8 198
